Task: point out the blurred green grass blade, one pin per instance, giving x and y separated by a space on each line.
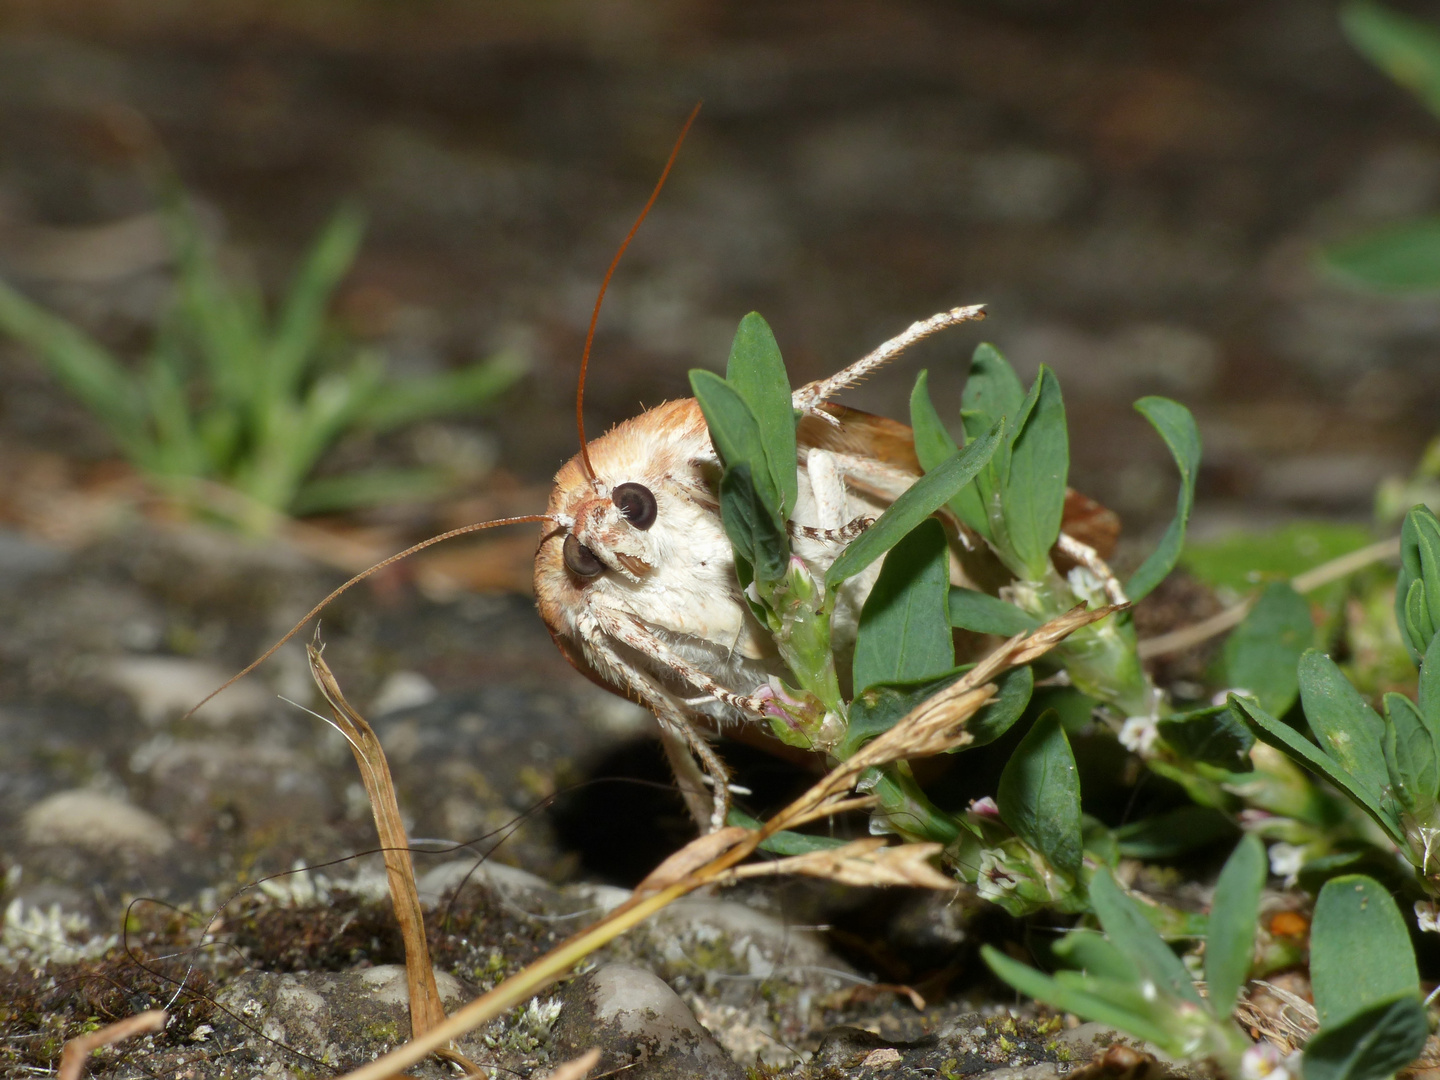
375 487
1177 427
756 372
302 319
1399 258
919 501
1230 943
86 368
1406 49
227 323
403 401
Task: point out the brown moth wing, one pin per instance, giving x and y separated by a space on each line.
867 437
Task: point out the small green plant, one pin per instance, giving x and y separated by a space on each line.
1404 257
1388 766
229 395
1129 977
1030 846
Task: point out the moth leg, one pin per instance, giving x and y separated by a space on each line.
832 507
813 394
679 736
708 811
1090 559
641 640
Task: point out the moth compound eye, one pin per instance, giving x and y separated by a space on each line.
637 503
580 560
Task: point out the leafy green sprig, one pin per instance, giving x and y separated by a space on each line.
229 394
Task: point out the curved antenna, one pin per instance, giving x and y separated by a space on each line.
605 284
356 581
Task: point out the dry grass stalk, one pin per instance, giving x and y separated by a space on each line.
872 861
72 1058
926 728
426 1009
576 1068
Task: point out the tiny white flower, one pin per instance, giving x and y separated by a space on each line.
1286 860
1427 914
1087 585
1138 734
995 879
1263 1061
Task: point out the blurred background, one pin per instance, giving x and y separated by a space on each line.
1137 190
400 213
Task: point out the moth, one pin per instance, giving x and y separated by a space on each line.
635 576
636 579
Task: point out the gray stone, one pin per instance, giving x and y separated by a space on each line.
340 1018
96 821
640 1025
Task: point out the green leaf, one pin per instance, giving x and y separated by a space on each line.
1406 49
1429 695
986 614
373 487
992 392
1376 1043
1213 735
750 522
757 373
933 445
1360 951
1400 258
904 633
918 502
1033 500
1039 795
1177 427
785 842
1410 756
1012 693
83 366
879 708
1416 608
1261 656
1073 999
1346 727
302 319
1230 944
734 431
403 401
1283 737
1173 833
1096 955
1240 561
1133 935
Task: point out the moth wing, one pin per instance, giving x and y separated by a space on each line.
877 454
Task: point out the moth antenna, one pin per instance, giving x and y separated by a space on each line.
355 581
605 284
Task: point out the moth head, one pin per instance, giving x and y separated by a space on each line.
637 512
